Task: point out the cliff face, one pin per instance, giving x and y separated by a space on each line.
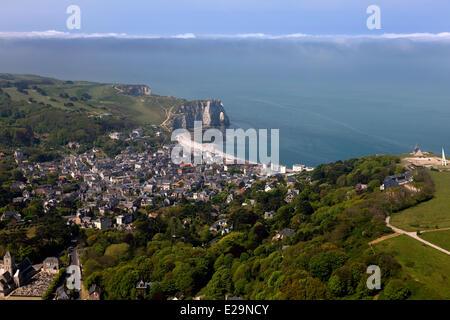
134 90
210 112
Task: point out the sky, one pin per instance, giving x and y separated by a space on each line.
209 17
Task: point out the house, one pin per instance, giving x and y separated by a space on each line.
397 180
10 215
148 188
72 145
142 285
165 185
94 292
124 219
291 181
18 156
45 190
86 220
103 223
298 167
116 136
269 214
18 185
277 168
221 224
18 201
61 293
51 265
290 195
227 230
103 210
137 133
286 232
360 187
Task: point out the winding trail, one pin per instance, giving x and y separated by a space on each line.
389 236
435 230
413 235
168 116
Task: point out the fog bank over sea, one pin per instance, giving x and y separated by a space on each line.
331 98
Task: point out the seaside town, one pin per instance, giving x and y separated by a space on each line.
112 189
74 210
108 192
191 152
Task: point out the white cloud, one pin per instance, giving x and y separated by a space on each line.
442 35
52 34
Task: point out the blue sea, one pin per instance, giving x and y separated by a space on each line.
331 99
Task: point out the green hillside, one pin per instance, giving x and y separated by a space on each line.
43 115
440 238
427 269
432 214
89 97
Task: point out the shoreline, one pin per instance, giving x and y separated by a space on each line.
193 147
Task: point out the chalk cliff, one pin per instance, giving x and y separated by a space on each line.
211 112
134 90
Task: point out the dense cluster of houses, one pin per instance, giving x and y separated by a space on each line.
108 191
135 134
397 180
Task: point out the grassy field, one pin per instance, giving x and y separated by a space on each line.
431 214
104 98
440 238
428 268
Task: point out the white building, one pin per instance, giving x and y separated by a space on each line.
298 167
117 135
276 168
102 223
301 167
127 219
137 133
444 159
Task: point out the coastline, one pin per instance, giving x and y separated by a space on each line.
212 153
195 147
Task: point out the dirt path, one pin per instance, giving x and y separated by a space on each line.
389 236
414 236
169 114
435 230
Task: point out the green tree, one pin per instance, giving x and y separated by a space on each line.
396 289
323 264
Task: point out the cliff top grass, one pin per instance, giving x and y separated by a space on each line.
428 269
429 215
90 97
440 238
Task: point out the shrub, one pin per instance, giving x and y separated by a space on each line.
396 289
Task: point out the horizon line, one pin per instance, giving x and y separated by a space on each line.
54 34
